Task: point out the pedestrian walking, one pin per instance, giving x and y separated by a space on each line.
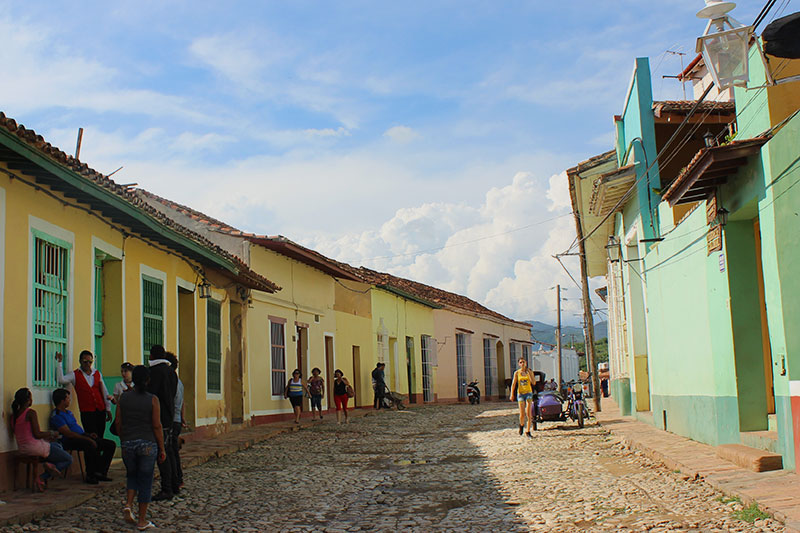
341 393
522 388
164 385
138 424
316 389
379 384
178 423
294 392
33 441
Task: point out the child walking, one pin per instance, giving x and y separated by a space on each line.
316 389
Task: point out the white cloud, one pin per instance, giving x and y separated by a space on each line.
401 134
485 252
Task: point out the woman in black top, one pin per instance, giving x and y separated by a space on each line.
341 387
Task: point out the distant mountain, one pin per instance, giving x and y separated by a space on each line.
547 333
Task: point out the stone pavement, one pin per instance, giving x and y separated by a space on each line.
434 468
777 493
24 506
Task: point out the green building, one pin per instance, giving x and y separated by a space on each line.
697 236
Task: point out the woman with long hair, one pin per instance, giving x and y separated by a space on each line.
340 395
522 388
32 441
140 433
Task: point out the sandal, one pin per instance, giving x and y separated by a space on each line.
148 525
51 469
127 514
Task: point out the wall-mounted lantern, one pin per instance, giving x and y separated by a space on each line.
204 289
722 217
613 249
710 139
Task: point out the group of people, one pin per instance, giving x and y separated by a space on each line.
149 419
314 388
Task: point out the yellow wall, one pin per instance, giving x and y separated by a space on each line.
401 318
353 308
25 209
306 298
447 324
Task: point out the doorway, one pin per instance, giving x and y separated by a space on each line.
236 377
635 280
501 370
301 334
748 321
187 352
356 373
329 368
410 369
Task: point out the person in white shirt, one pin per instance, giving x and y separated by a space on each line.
94 401
126 370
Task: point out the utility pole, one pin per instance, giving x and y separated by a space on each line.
558 335
588 319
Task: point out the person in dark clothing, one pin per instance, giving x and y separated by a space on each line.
98 451
164 385
379 384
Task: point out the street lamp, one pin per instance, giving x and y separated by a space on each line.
725 50
205 289
613 249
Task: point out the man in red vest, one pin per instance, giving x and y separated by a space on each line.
93 398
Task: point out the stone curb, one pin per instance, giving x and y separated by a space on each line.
792 526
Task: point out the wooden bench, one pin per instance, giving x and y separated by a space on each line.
31 463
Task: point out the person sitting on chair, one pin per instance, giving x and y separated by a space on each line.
98 451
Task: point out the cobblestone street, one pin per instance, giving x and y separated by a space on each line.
459 468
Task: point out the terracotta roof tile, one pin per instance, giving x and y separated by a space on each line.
71 163
684 106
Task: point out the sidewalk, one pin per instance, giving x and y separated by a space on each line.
22 506
777 492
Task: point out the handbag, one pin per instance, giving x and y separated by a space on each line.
350 392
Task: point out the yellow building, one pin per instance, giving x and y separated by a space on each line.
86 265
452 328
297 327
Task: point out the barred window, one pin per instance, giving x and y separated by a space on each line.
50 296
152 313
278 357
214 346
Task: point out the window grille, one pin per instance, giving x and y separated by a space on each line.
50 297
463 362
513 356
427 369
278 357
152 313
490 366
526 353
214 346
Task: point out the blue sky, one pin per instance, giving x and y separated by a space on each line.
372 131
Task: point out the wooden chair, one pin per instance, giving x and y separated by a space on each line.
79 455
31 463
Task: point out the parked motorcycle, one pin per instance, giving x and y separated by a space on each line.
576 407
473 392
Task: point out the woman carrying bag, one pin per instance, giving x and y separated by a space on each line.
342 391
295 389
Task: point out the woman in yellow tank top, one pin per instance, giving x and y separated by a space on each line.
522 389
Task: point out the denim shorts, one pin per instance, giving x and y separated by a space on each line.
140 456
525 397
